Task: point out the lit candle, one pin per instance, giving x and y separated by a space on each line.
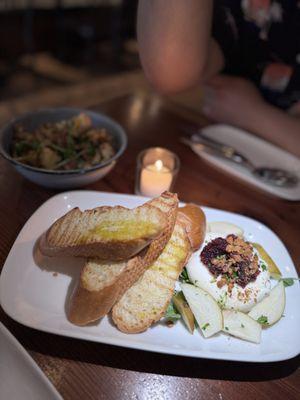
156 171
155 178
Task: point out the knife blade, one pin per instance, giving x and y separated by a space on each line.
214 148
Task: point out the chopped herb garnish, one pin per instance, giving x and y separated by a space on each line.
235 274
20 147
263 267
70 141
35 145
171 314
205 326
91 150
242 326
222 300
56 147
289 281
226 328
263 320
23 146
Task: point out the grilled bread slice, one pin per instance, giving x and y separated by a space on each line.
147 300
102 284
195 221
108 233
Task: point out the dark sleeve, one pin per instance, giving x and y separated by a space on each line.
225 30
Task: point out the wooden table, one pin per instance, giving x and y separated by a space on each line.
84 370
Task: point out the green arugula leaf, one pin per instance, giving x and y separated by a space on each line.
184 276
171 314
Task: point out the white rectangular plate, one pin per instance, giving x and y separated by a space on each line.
34 295
21 378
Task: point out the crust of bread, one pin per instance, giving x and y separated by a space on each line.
71 234
89 303
195 222
147 300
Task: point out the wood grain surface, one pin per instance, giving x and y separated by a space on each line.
85 370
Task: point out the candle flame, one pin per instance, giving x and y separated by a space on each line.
158 165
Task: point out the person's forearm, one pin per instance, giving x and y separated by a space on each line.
174 39
278 127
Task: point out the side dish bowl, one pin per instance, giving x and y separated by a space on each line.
63 179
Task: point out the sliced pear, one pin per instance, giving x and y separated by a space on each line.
205 309
272 267
271 308
183 308
241 325
225 227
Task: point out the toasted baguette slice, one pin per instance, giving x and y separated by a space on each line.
108 233
102 284
195 221
147 300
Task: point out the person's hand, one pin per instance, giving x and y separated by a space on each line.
232 100
237 102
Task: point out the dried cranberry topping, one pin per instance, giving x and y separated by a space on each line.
233 258
213 249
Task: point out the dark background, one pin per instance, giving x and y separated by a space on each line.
94 40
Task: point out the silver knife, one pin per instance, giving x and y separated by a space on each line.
215 148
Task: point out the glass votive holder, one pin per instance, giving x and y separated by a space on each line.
156 171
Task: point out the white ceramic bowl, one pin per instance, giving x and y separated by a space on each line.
70 178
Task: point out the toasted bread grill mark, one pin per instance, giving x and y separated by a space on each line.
97 292
146 301
72 226
108 233
91 224
60 233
